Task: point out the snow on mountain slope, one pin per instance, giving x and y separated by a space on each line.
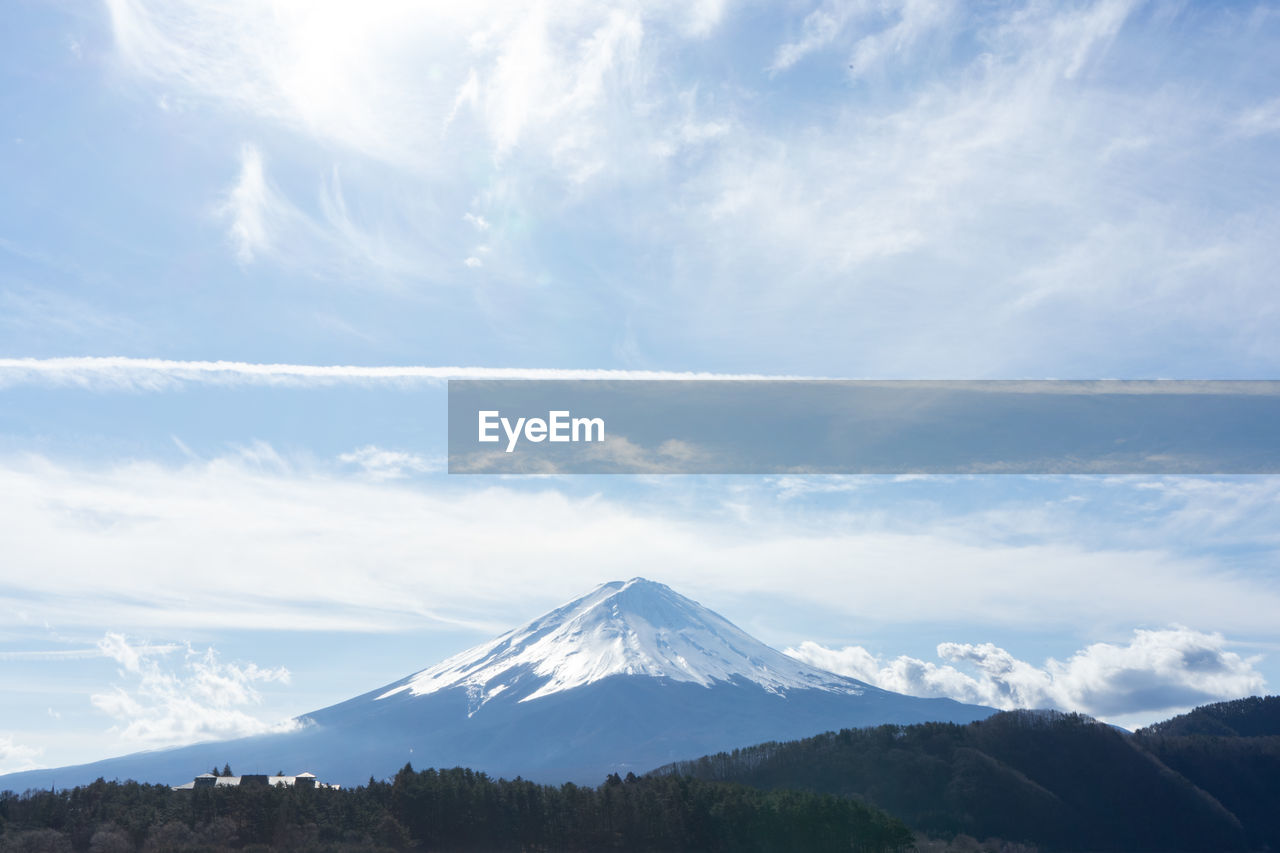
636 627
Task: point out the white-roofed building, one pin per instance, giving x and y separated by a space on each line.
302 780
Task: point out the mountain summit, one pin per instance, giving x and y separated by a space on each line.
628 677
636 628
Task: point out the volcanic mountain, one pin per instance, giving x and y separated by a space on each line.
628 677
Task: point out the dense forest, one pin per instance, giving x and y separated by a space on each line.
1206 780
1231 750
444 810
1209 780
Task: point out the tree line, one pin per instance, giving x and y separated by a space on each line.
445 810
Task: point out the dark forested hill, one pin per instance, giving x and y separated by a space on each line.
1232 751
1060 781
1256 716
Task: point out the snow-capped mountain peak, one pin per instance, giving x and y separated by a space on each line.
636 627
629 677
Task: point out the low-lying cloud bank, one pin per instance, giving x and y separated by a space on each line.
1158 670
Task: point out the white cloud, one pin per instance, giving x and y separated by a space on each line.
468 96
131 656
380 464
1001 204
916 18
30 313
819 29
157 374
982 208
267 539
385 80
539 100
906 22
247 206
263 222
699 18
1082 34
15 757
201 698
1157 671
1260 120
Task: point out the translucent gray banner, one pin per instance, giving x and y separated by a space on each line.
863 427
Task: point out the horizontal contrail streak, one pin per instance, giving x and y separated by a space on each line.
153 374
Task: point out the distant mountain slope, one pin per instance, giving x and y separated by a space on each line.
1059 781
630 676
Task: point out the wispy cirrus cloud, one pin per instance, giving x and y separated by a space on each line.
972 196
819 28
395 82
1260 120
26 311
533 86
852 26
916 19
924 187
328 241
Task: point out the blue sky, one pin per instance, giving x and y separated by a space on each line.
915 189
